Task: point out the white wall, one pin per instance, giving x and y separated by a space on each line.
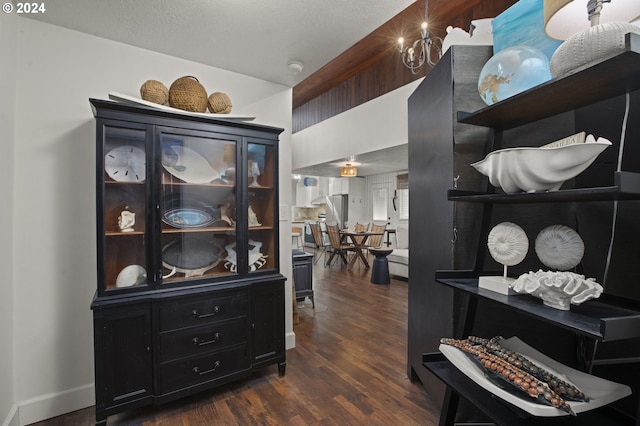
8 36
377 124
54 224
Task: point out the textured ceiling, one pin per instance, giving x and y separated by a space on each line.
252 37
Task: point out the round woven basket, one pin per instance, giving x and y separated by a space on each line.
154 91
188 94
219 103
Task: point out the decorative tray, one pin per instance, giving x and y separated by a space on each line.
119 97
600 391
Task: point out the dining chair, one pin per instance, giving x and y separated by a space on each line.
361 228
337 247
318 241
376 240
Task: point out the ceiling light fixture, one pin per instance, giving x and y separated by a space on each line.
349 169
426 49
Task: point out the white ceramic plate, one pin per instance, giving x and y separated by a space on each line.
125 163
115 96
600 391
189 166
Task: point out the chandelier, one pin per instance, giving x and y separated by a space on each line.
426 49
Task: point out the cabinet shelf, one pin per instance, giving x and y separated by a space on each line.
627 187
606 318
503 413
612 77
196 230
123 234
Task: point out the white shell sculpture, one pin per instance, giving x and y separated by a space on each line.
508 243
131 275
559 247
543 168
558 289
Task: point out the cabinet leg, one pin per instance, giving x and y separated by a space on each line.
281 368
449 408
101 420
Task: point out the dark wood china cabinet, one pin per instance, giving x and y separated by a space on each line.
189 292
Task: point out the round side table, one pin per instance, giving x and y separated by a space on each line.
380 269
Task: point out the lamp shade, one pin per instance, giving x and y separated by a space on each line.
348 171
563 18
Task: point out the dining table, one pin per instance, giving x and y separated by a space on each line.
359 241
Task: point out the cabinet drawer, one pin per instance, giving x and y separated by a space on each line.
198 340
192 371
204 309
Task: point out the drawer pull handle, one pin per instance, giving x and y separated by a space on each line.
197 315
216 365
198 342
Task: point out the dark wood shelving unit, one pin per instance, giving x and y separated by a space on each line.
627 187
612 77
605 319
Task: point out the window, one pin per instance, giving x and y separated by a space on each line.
402 193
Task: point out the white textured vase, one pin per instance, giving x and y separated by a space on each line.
590 46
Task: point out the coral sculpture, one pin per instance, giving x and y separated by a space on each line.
558 289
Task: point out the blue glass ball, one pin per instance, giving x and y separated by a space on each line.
511 71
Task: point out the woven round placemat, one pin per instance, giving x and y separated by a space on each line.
188 94
154 91
219 103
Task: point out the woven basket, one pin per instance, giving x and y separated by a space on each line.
188 94
154 91
219 103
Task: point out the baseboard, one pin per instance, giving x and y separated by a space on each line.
56 404
290 340
13 419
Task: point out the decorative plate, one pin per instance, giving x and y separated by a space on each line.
559 247
125 163
182 212
508 243
187 164
192 255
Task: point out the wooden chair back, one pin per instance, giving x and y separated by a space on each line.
361 228
334 236
317 234
376 240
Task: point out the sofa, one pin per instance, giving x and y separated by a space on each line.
399 258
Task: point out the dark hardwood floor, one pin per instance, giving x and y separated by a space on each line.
348 368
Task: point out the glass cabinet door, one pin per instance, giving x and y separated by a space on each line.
261 211
124 260
198 200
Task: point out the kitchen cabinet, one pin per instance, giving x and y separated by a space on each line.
189 293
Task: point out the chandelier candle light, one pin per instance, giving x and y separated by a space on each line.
426 49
